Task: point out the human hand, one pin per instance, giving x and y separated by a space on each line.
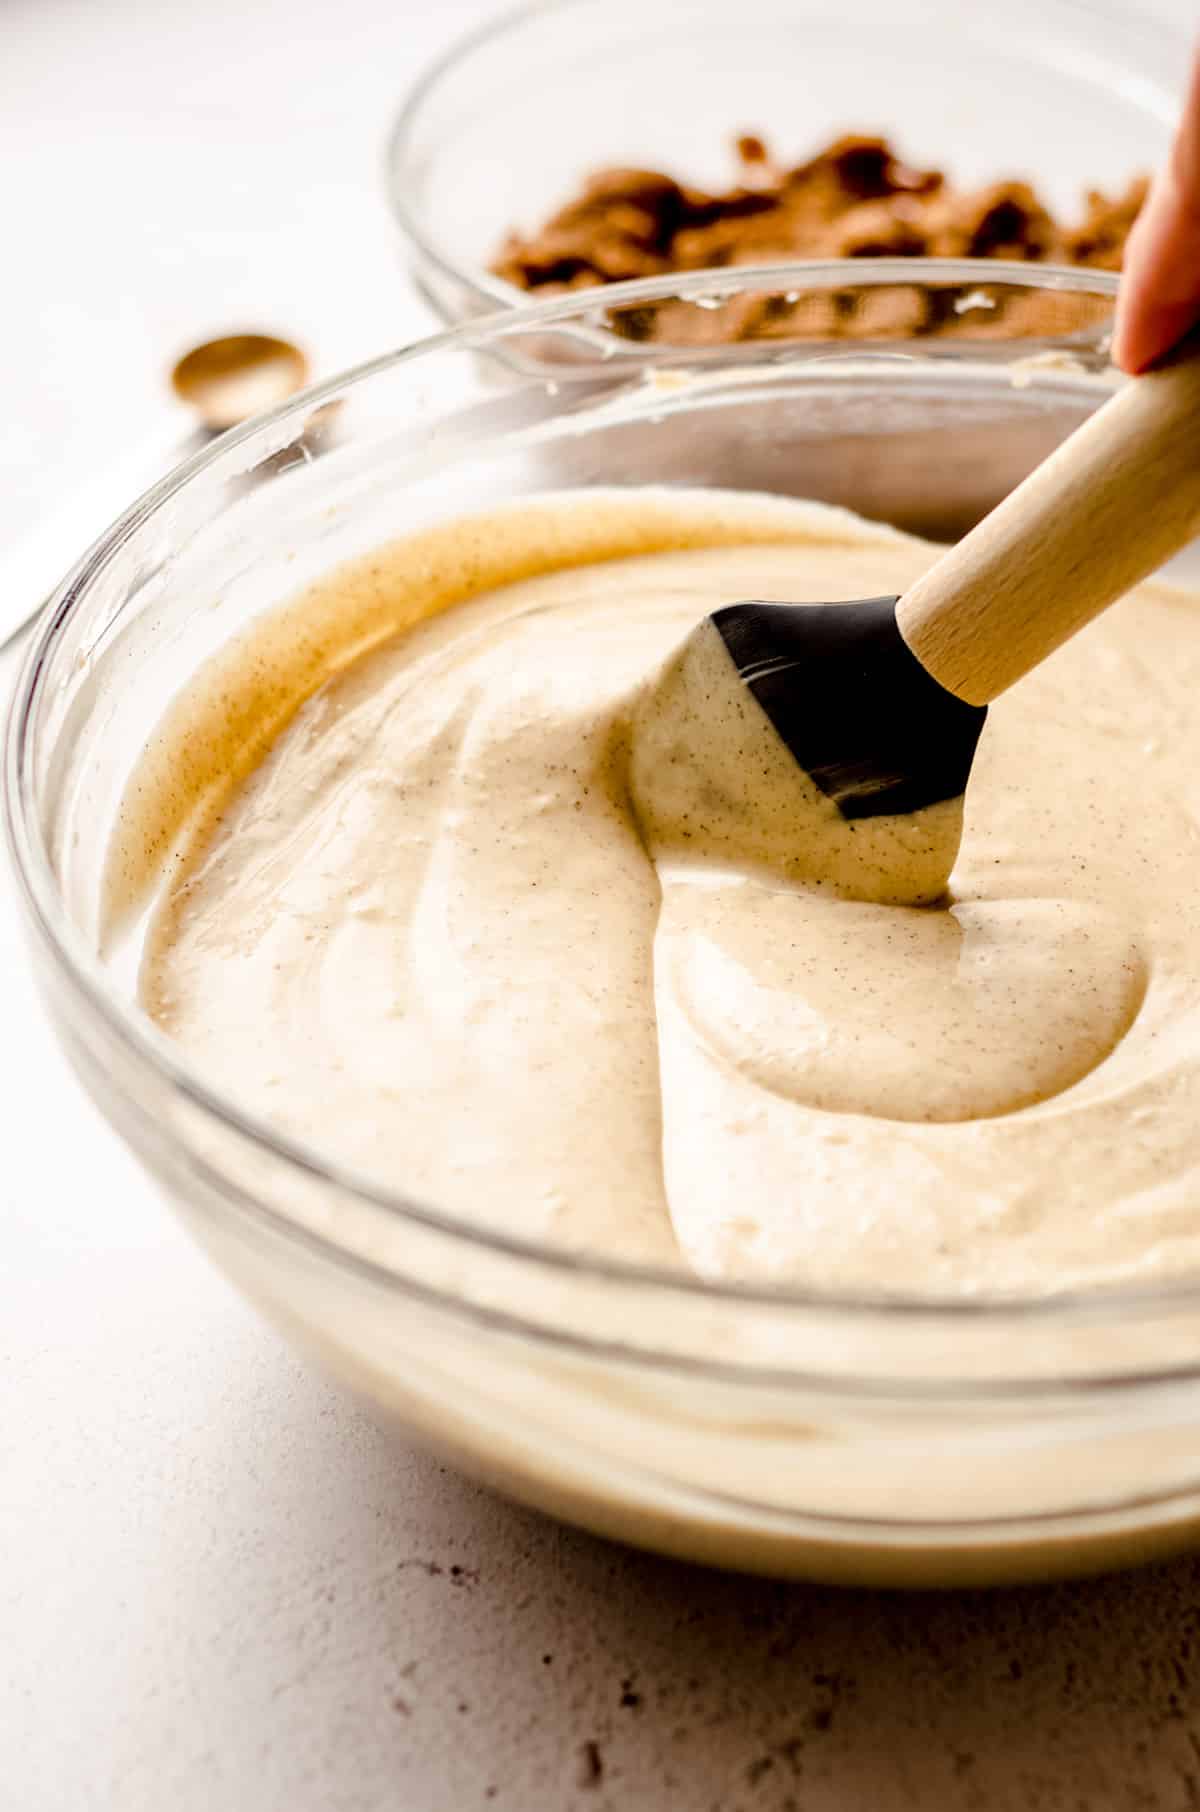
1160 289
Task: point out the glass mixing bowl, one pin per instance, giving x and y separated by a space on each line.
868 1439
1070 94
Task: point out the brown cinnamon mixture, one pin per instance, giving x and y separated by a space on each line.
856 199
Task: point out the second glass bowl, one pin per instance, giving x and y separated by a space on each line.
1069 94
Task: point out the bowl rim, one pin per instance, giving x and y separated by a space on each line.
1166 43
81 970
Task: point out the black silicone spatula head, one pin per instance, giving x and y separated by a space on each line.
853 706
804 741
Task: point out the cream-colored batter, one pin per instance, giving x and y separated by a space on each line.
433 934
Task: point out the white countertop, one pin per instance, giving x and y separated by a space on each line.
220 1586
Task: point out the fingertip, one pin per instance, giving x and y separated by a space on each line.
1128 348
1142 337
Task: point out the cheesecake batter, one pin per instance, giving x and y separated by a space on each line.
416 914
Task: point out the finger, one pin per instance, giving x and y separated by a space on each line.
1160 290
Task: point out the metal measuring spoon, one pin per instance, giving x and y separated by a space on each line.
226 381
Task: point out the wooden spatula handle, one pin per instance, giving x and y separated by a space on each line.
1119 497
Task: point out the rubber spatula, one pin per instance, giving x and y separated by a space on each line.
881 702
